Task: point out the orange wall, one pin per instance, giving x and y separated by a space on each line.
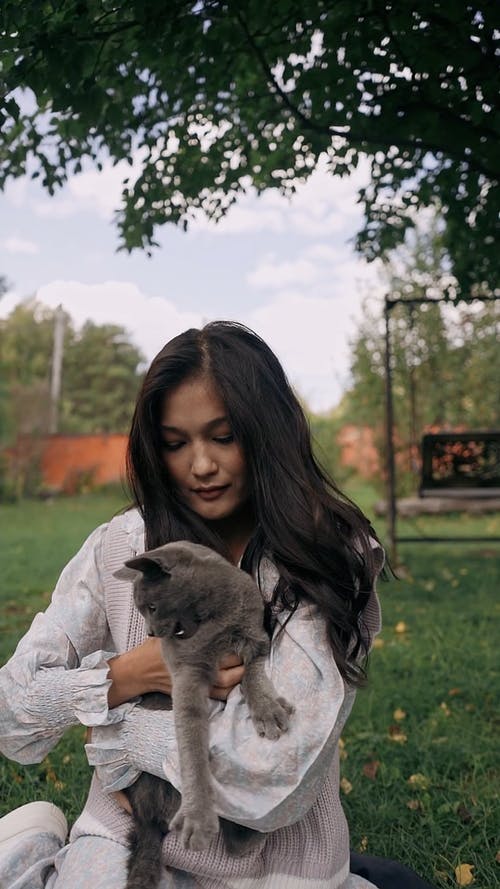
65 457
358 450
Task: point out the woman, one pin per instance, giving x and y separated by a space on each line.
219 453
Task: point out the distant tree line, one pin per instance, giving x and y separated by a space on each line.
101 373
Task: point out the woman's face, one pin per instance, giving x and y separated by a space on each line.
203 460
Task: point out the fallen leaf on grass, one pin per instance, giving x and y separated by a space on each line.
50 775
464 875
363 844
399 714
415 805
396 735
342 751
463 813
444 707
454 691
370 769
419 781
497 858
378 642
400 627
345 785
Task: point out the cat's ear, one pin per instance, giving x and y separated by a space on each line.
150 566
125 573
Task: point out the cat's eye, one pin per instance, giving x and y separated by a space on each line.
179 630
151 607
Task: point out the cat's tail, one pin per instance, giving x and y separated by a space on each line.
145 860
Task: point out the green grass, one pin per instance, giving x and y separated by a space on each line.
38 538
438 667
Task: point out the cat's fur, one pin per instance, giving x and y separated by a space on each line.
202 608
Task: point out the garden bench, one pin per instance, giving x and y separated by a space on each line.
461 464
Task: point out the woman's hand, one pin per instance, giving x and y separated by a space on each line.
137 672
142 670
229 675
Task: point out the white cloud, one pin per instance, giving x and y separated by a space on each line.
324 252
309 335
248 216
314 302
56 207
150 320
323 205
271 273
19 245
319 270
99 192
16 191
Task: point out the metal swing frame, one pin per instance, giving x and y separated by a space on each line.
392 513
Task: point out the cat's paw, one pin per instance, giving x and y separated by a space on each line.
196 829
271 717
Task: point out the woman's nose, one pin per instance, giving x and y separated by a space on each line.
203 464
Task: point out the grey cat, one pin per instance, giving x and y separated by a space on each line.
202 607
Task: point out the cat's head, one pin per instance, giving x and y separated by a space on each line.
173 587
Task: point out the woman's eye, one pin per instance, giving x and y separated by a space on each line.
172 445
224 439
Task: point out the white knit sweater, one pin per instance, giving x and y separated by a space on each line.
287 789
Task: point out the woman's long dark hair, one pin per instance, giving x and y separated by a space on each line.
317 538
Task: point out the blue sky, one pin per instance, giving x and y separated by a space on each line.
286 268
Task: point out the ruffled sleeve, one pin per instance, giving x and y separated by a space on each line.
58 675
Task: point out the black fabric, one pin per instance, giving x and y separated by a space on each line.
386 874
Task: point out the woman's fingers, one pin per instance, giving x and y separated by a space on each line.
230 660
227 678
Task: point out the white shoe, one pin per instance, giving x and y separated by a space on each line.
33 818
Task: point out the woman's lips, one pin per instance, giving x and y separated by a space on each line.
211 493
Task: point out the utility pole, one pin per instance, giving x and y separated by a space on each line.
389 425
57 358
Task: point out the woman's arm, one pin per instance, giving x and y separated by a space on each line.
58 675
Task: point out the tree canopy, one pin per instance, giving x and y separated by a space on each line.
216 96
